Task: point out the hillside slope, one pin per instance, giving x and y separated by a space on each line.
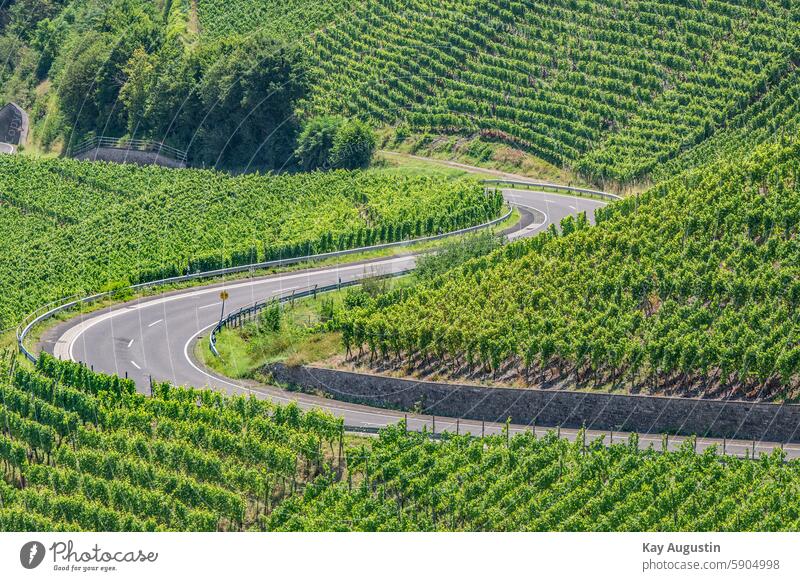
692 288
79 227
611 89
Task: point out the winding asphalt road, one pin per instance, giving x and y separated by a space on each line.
155 337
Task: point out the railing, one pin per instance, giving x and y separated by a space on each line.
247 314
50 310
128 145
545 186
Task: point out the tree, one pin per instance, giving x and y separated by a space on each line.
316 141
78 83
249 92
353 146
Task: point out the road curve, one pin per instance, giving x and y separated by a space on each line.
155 337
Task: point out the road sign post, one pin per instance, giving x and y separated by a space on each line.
224 296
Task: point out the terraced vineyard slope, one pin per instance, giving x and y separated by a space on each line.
84 451
408 482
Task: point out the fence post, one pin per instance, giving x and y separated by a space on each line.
434 426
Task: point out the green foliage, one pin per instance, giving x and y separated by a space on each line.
248 93
609 88
84 451
102 458
270 318
689 289
334 142
77 227
284 19
353 146
410 482
454 254
316 140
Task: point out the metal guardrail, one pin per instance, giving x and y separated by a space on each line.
245 314
128 145
545 186
51 309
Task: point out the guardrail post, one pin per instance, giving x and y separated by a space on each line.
94 141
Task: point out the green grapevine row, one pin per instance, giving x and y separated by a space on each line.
76 227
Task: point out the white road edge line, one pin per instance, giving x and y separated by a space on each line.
70 337
155 323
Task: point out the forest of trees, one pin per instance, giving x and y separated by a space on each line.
124 68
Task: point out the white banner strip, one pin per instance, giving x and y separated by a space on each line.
388 556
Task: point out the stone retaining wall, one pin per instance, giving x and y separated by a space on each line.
599 411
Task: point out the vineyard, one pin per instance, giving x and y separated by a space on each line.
688 286
73 227
776 115
287 19
689 289
609 88
84 451
408 482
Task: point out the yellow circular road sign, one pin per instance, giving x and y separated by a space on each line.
223 295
